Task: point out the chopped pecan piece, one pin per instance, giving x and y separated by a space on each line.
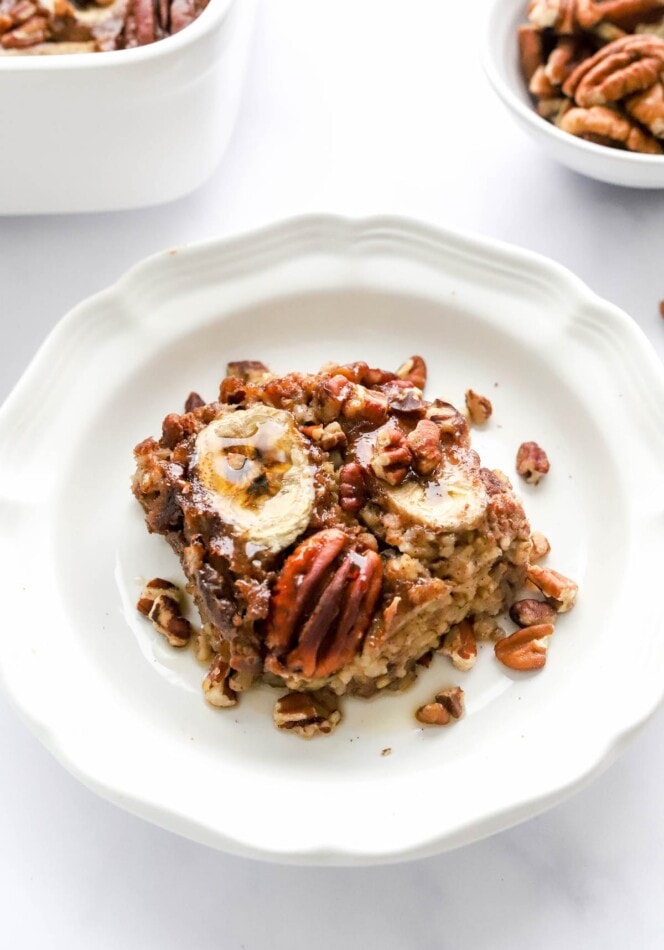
249 371
531 462
402 396
332 437
352 491
233 390
193 401
160 602
329 396
449 420
307 714
525 649
556 587
529 612
461 646
424 443
358 372
365 404
479 407
414 371
156 588
447 705
216 687
392 459
174 429
540 546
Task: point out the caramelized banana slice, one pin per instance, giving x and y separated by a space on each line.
254 467
454 500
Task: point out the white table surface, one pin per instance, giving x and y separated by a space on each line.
356 107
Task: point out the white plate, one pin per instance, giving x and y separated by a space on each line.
125 713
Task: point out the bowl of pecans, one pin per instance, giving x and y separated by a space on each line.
115 104
585 78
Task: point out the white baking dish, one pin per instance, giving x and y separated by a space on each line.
122 129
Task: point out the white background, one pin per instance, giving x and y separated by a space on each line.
357 107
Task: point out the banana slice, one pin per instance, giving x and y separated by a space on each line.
254 467
455 500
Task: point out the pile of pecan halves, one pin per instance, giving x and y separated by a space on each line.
595 68
41 27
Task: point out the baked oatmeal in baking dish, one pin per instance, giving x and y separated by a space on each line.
335 528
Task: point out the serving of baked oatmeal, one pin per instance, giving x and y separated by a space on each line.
335 528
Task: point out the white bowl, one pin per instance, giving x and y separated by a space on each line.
501 63
122 129
124 711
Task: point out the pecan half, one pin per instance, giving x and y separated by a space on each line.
531 462
322 606
529 612
447 705
414 371
648 108
589 13
461 646
525 649
307 714
424 443
479 407
607 127
628 65
216 687
556 587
